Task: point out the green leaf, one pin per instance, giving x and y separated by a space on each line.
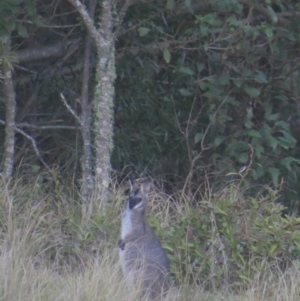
224 80
189 6
272 14
168 247
170 4
203 85
269 32
285 143
31 8
160 29
10 24
246 72
220 211
198 137
249 124
200 67
274 172
260 172
36 20
218 141
274 247
281 97
253 133
243 158
185 92
249 115
289 137
186 70
272 117
22 31
167 55
143 31
238 82
209 19
273 142
260 77
288 140
251 91
287 161
259 151
204 30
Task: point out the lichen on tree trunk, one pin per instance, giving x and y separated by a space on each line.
10 103
103 103
87 184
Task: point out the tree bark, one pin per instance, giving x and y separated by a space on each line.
86 163
9 92
102 104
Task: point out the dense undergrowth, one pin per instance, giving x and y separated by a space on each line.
223 246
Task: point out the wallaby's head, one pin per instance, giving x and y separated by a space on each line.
138 197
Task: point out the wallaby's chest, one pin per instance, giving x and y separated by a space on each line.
126 223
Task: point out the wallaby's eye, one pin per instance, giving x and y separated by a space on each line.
133 202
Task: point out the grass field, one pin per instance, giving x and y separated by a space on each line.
24 278
31 270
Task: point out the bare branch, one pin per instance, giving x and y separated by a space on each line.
259 8
46 127
44 52
87 20
121 16
71 110
33 145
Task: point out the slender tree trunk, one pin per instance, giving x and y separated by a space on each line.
103 103
9 92
86 163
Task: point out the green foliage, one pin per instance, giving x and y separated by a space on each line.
229 240
222 86
10 16
203 88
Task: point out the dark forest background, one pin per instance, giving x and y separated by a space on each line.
205 90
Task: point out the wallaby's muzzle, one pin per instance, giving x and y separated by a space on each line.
133 201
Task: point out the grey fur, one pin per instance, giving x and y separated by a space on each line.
144 261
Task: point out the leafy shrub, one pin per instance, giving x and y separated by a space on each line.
228 240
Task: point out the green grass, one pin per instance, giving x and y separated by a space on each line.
48 252
25 279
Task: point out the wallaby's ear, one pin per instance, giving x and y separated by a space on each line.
133 185
131 182
145 187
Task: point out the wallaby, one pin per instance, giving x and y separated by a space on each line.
143 260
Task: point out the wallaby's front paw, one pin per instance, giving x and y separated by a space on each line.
121 244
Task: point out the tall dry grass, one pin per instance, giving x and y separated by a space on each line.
31 226
22 279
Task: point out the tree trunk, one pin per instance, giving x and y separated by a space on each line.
86 162
9 92
103 103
